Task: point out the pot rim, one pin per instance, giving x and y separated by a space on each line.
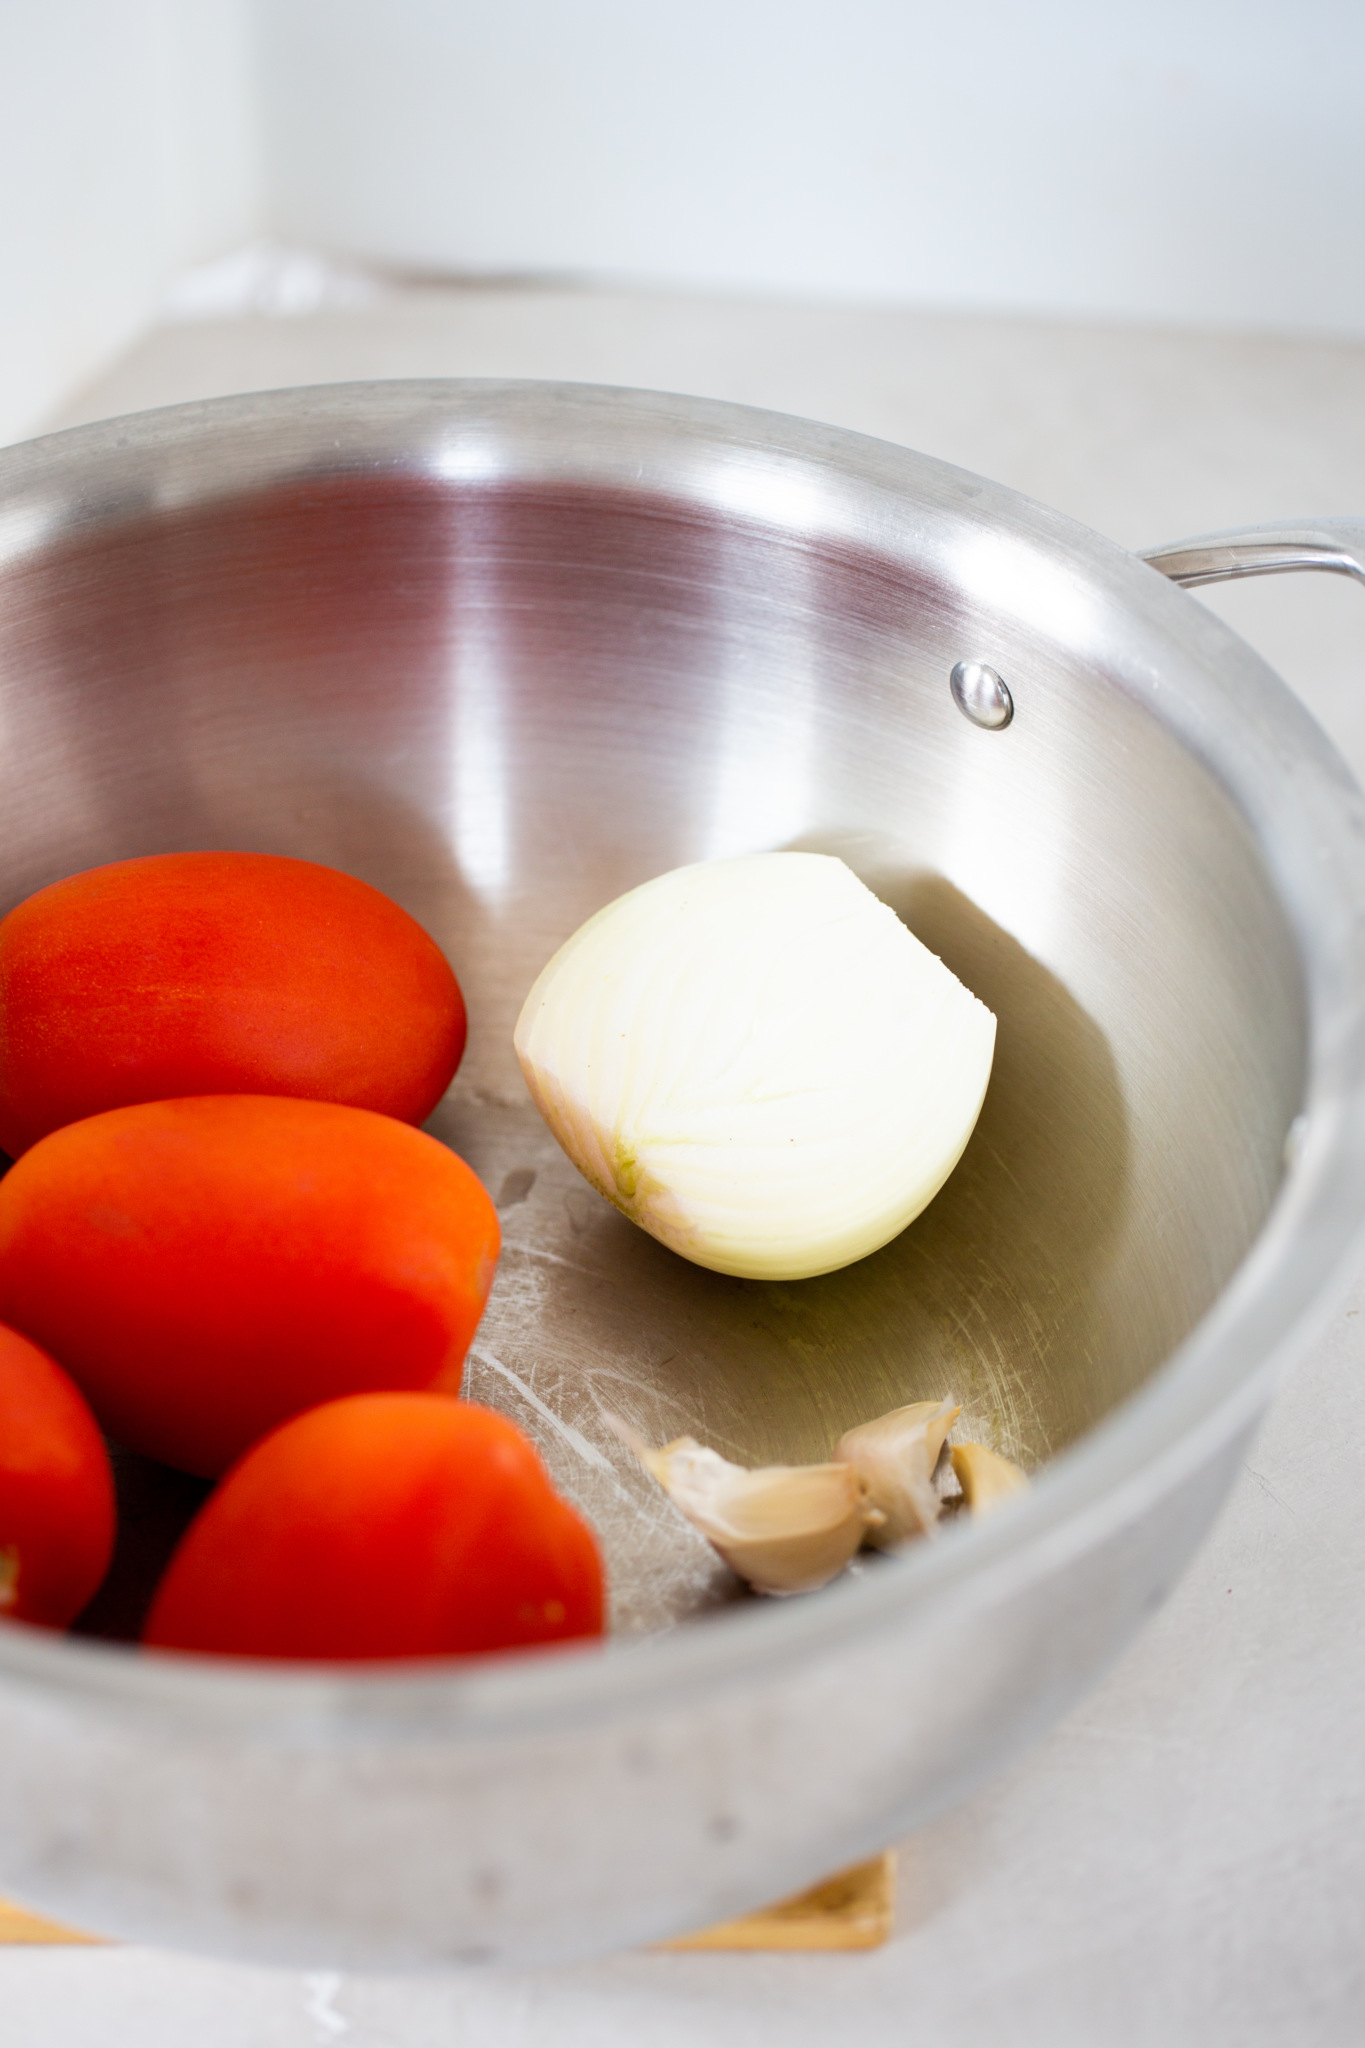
1308 819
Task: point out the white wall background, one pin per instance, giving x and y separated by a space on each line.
1186 160
127 148
1169 160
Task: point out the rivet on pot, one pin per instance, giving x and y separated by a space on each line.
981 694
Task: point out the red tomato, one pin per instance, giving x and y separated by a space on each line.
206 1268
384 1525
56 1490
218 974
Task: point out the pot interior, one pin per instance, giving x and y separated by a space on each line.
505 702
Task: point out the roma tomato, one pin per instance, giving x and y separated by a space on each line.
206 1268
56 1490
385 1525
216 974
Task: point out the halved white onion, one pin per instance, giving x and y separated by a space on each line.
758 1063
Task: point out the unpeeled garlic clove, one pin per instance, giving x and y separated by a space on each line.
894 1458
783 1528
985 1477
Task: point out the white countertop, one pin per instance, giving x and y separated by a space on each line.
1183 1860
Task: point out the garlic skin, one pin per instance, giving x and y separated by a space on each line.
894 1458
758 1063
784 1528
987 1480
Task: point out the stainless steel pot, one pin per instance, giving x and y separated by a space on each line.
505 650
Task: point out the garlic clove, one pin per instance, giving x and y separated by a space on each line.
985 1477
894 1458
792 1528
783 1528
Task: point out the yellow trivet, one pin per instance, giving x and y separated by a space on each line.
17 1925
853 1910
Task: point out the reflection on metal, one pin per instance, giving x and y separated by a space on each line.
468 457
1336 545
1038 590
479 822
760 791
748 485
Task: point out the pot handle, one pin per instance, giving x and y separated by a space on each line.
1336 544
